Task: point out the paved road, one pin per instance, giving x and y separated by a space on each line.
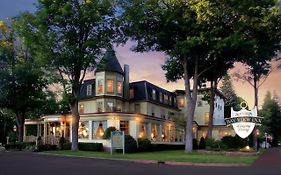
16 163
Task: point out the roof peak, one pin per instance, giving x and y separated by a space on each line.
109 62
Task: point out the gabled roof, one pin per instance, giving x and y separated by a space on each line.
109 63
83 91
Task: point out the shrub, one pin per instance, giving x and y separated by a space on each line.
211 143
202 143
90 146
108 131
130 144
195 144
234 142
61 142
14 146
67 146
46 147
144 145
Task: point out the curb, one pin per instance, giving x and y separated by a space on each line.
156 162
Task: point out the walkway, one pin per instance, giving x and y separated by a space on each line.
271 159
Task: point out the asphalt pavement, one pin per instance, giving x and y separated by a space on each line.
28 163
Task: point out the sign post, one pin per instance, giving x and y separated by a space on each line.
117 141
244 121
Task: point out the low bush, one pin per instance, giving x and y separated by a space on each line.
67 146
107 133
130 144
234 142
61 142
46 147
90 146
195 144
14 146
144 145
202 143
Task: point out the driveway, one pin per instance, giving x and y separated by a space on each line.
15 163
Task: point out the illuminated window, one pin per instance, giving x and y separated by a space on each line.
83 130
206 118
119 87
124 126
100 87
99 106
98 128
109 86
81 108
153 94
89 90
181 102
161 97
132 93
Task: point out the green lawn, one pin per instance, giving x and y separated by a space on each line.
177 156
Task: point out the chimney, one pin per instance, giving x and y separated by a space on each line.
126 81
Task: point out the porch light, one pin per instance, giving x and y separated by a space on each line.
247 147
15 128
162 135
152 135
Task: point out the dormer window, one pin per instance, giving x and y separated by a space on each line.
181 102
166 99
153 94
161 97
89 90
131 93
109 86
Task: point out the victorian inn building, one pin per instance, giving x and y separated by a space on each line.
140 109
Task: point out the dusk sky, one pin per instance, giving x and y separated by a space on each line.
147 66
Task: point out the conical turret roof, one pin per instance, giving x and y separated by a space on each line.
109 63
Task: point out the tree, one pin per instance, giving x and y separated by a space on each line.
271 113
69 36
21 80
264 28
192 33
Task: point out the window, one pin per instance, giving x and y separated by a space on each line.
83 130
109 107
119 87
99 106
89 90
131 93
81 108
109 86
206 118
100 87
98 128
181 102
161 97
124 126
137 108
153 94
152 111
166 99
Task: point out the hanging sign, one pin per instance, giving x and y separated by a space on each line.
244 121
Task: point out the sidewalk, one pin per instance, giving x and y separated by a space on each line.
270 159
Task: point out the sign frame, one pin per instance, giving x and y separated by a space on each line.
117 140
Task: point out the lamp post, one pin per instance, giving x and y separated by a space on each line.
265 134
15 131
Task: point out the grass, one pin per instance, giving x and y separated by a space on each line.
175 156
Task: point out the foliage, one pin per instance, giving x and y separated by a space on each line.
195 144
69 37
234 142
67 146
144 145
107 133
62 141
7 121
14 146
271 113
130 144
90 146
202 143
46 147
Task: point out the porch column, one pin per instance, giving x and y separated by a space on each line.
149 131
45 130
159 133
24 132
38 130
70 128
90 130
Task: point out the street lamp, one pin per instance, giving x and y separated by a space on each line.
265 134
15 131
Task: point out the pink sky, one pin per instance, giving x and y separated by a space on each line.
147 66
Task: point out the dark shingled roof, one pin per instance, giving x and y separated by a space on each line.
109 63
83 92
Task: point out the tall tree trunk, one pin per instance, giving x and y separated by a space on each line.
75 113
213 89
20 125
190 105
255 137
